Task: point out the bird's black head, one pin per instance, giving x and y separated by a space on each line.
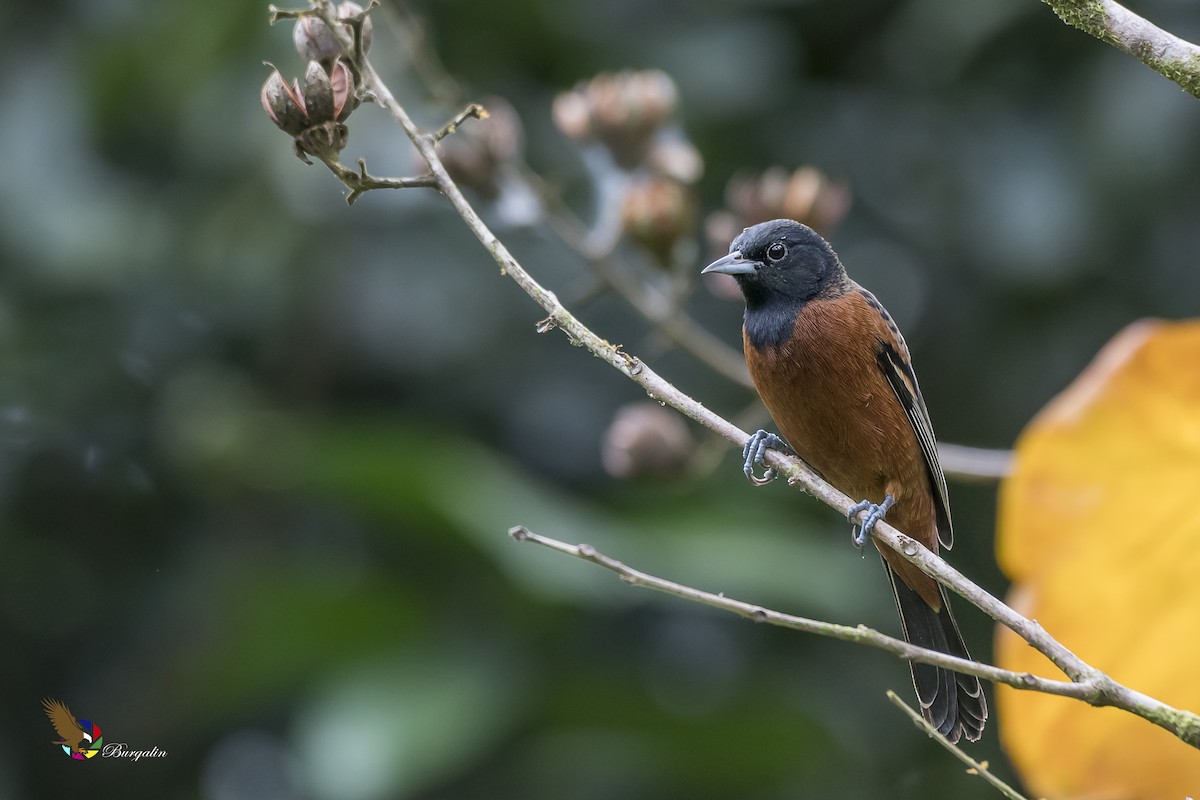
780 266
781 260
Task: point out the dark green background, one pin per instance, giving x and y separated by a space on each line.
259 451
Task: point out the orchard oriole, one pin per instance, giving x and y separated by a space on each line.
833 370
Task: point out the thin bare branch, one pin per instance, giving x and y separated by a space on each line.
472 111
973 767
361 182
859 634
1111 22
275 13
974 464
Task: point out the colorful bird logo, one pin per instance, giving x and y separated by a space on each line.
78 740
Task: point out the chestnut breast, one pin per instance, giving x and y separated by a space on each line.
824 388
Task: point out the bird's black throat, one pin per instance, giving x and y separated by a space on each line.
770 320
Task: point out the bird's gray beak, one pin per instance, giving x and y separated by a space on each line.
732 264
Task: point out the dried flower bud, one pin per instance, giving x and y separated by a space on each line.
315 42
646 439
476 153
284 105
657 212
623 111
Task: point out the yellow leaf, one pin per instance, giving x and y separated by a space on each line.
1099 530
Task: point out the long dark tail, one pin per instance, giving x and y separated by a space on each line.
952 702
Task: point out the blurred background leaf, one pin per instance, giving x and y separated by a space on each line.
1098 530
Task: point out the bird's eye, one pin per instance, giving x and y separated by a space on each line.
776 252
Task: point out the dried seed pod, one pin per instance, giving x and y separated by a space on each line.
646 439
312 116
314 40
806 195
284 104
656 214
318 94
623 111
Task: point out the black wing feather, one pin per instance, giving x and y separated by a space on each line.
894 362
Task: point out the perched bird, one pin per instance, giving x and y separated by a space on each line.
834 372
70 733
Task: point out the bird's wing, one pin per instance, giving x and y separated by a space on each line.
897 368
64 722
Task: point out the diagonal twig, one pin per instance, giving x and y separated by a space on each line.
858 634
973 767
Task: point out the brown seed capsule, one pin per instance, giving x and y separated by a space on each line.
312 116
646 439
318 94
657 212
623 111
805 195
817 200
284 105
315 42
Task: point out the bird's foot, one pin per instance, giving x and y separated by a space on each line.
874 512
752 455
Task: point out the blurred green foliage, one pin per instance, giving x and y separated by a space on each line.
259 451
